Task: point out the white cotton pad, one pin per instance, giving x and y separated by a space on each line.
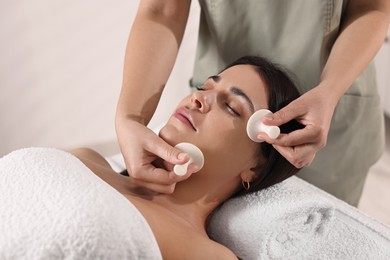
255 126
196 157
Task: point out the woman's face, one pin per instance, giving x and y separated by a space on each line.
214 118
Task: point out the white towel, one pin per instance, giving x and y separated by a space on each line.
53 207
295 220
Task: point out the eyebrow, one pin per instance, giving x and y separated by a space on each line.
238 92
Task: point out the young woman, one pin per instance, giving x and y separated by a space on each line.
322 42
214 118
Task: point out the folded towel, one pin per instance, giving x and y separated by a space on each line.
285 219
295 220
53 207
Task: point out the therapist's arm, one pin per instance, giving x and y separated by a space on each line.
151 52
363 31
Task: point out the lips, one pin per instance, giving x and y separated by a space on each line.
185 117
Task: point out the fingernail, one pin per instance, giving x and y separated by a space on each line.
269 117
182 156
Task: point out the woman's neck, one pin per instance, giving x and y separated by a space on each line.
191 204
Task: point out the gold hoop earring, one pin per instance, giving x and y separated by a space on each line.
246 184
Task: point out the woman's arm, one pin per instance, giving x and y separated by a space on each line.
150 55
363 31
151 52
362 34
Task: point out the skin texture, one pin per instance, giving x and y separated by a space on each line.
157 32
178 220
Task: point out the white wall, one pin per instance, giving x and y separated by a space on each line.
61 70
382 62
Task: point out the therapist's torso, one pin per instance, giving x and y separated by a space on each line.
299 34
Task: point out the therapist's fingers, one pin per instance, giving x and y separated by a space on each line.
141 147
166 152
314 111
162 185
298 147
160 176
310 134
299 156
292 111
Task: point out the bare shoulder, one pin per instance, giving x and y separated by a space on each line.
99 166
90 158
213 250
198 248
221 252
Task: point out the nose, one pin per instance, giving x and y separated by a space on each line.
200 101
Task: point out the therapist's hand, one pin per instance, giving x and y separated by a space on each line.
314 110
141 147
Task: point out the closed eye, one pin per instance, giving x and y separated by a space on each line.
229 108
232 110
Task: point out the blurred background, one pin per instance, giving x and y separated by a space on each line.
61 70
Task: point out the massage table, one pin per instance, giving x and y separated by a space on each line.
53 207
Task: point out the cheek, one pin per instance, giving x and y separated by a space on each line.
169 134
228 144
228 131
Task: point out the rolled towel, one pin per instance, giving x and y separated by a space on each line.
286 221
53 207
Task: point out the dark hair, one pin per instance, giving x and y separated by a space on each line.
281 91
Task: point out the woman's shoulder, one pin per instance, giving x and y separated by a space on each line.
198 247
214 250
175 238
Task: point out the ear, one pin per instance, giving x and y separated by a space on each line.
247 175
